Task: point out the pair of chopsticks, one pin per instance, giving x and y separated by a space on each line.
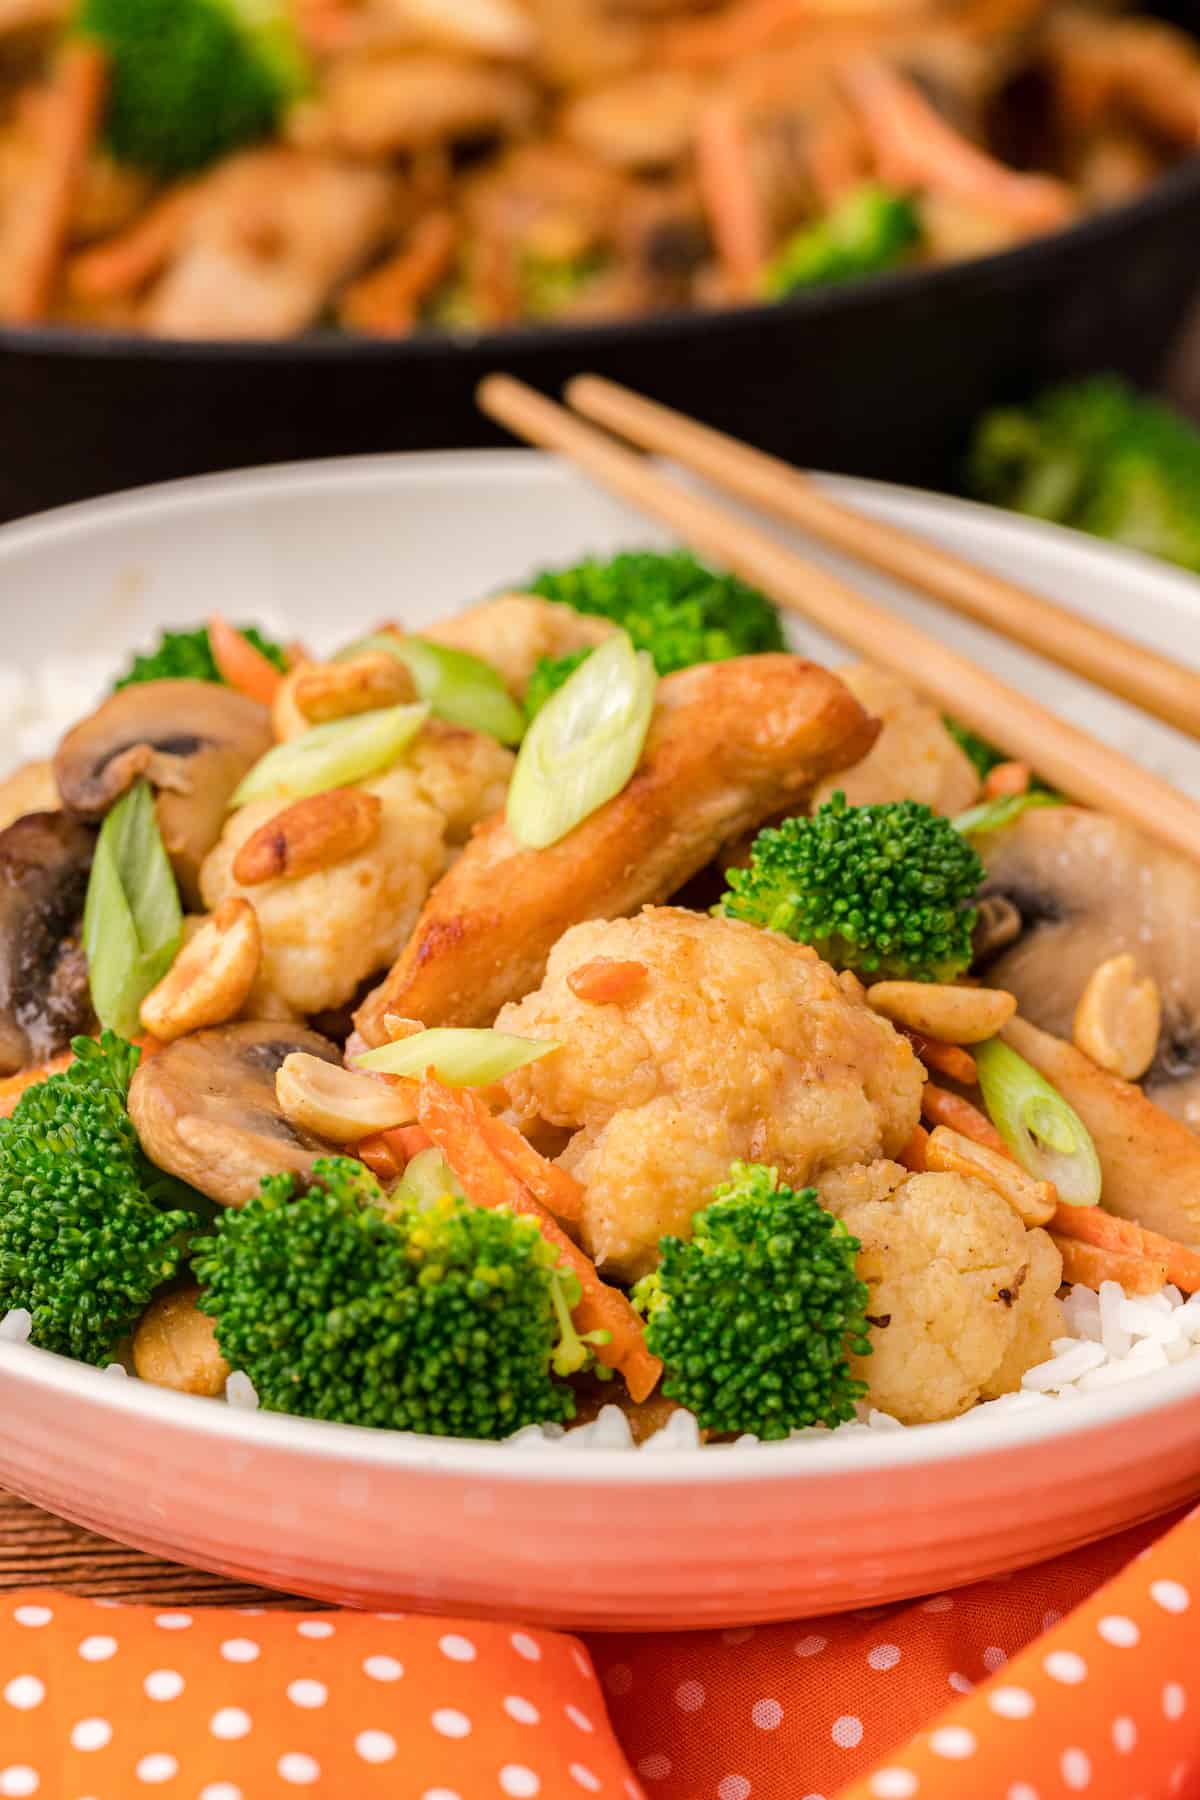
1077 763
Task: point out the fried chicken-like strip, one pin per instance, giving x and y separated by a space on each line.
731 745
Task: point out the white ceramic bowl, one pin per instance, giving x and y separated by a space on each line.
590 1538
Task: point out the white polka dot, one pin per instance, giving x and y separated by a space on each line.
579 1718
220 1790
1172 1596
1065 1666
733 1787
299 1769
523 1711
315 1628
1174 1701
655 1767
164 1684
619 1679
767 1715
962 1684
1021 1790
883 1656
451 1723
1076 1770
307 1693
738 1634
173 1621
458 1649
994 1658
375 1746
1124 1734
519 1782
25 1692
1178 1777
1011 1702
383 1668
939 1603
893 1784
954 1742
230 1723
689 1696
583 1664
440 1794
810 1646
526 1646
91 1734
156 1768
584 1777
33 1615
240 1650
98 1649
1118 1631
18 1780
847 1732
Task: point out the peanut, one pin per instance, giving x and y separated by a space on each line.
175 1346
210 980
953 1154
343 1105
324 691
1118 1018
956 1015
310 834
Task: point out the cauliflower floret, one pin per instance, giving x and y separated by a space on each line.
514 631
947 1262
738 1043
324 933
913 758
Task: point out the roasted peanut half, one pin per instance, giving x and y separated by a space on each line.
1118 1018
957 1015
335 690
210 980
953 1154
287 721
310 834
175 1346
343 1105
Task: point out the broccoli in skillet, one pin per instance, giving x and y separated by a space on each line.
89 1229
754 1317
187 656
869 231
1100 457
670 605
339 1305
192 80
885 890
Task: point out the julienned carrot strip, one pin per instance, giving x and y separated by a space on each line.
387 301
1090 1265
729 195
240 664
123 264
454 1119
944 1108
947 1059
71 121
737 32
1104 1231
380 1156
915 1155
558 1192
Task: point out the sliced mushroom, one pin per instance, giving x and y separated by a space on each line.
1088 887
44 863
192 740
205 1108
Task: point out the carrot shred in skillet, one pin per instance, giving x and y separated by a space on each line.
240 664
944 1108
386 303
1105 1231
124 263
725 176
71 119
553 1187
455 1119
947 1059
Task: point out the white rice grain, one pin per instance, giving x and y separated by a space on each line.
16 1326
240 1392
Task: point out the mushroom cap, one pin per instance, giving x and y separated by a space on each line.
205 1108
1088 887
45 859
192 740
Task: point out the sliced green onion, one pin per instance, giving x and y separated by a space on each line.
344 750
463 1058
990 815
459 687
427 1179
1047 1137
132 919
583 745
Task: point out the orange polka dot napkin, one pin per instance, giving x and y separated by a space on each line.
1008 1698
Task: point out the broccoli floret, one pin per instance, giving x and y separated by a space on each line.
670 604
1100 457
884 890
338 1306
869 231
187 656
549 673
89 1228
192 80
752 1319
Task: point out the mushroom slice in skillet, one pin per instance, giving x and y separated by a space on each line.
192 740
205 1108
45 859
1088 887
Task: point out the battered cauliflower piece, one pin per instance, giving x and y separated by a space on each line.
737 1044
514 631
324 933
914 756
962 1297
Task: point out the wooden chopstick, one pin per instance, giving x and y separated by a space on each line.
1131 671
1073 760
